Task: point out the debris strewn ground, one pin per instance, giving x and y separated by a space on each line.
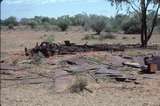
107 78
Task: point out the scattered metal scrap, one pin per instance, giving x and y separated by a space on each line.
149 64
49 49
96 71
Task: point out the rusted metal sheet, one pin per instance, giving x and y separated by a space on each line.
156 60
153 61
152 68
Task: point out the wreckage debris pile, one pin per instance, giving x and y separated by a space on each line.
49 49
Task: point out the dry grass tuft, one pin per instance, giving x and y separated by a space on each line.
79 85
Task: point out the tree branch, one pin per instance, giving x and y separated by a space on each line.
134 7
153 22
148 2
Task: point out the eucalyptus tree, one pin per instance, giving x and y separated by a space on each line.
142 7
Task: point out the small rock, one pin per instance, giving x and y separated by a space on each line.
136 82
121 79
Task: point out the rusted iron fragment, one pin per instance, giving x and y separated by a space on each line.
49 49
152 68
153 63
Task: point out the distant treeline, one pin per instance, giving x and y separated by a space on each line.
129 24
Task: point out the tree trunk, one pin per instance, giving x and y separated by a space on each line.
153 23
143 25
145 28
144 37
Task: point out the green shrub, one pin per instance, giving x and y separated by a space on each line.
63 26
24 21
97 23
11 26
80 19
33 25
108 28
131 26
63 22
117 21
11 21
